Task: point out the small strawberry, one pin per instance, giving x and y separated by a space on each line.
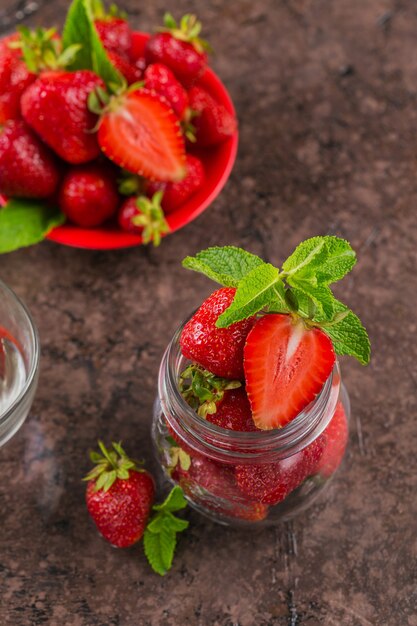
119 496
176 194
131 72
212 122
335 439
140 215
55 106
219 350
140 133
113 28
14 78
282 381
88 194
179 48
28 168
159 78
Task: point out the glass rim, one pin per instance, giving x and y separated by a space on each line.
34 363
291 435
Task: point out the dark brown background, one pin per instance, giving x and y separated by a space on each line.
326 96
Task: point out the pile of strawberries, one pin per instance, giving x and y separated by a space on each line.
229 384
72 140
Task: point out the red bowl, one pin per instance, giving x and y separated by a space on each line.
218 162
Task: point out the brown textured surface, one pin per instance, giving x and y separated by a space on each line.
326 94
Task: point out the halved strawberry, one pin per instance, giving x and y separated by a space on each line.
141 133
286 365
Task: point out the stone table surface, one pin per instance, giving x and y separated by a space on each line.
326 96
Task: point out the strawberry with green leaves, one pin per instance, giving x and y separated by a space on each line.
297 325
14 78
180 48
144 216
113 28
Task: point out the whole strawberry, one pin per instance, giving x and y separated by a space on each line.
55 106
131 72
176 194
162 80
179 48
14 78
113 28
140 215
219 350
28 169
335 439
211 120
119 496
88 194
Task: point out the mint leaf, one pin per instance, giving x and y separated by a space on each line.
321 259
79 29
160 537
341 259
26 222
321 295
255 292
307 256
349 335
227 265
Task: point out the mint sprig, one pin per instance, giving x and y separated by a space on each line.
26 222
160 536
300 288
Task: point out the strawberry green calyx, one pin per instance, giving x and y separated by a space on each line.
151 218
110 465
130 184
178 456
187 30
300 288
42 49
160 536
100 13
202 390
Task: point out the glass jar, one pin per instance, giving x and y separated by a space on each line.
19 363
248 478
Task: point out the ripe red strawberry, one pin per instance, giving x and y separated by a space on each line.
271 483
119 496
28 168
335 439
179 48
219 350
143 216
55 106
141 133
131 72
233 412
286 366
213 123
113 29
159 78
88 194
175 194
14 78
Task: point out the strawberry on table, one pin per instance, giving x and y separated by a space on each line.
335 439
28 169
55 106
175 194
211 120
88 195
141 133
14 78
219 350
119 496
160 78
180 48
140 215
286 366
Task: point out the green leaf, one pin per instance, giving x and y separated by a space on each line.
321 260
227 265
175 501
26 222
349 335
153 552
309 254
321 296
79 29
341 259
254 293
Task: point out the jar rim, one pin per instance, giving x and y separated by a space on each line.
300 431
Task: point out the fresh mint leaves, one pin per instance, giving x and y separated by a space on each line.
25 222
300 288
79 29
160 536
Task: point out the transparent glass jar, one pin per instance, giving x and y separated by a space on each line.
248 478
19 362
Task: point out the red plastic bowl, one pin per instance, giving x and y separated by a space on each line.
218 162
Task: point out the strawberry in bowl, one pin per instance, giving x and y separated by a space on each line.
102 96
252 417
